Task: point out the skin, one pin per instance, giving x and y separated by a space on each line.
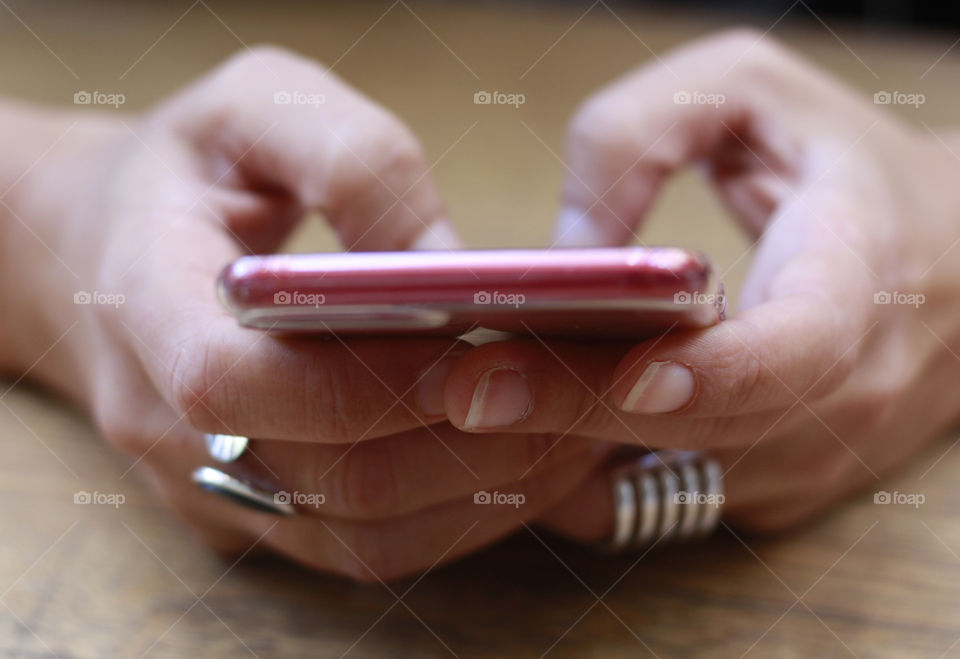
152 207
810 390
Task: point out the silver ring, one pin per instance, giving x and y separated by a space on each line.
226 449
624 511
665 496
236 490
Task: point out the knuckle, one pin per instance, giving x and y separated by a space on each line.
398 146
270 54
329 411
219 102
743 44
751 374
754 57
365 483
121 430
733 380
739 38
384 154
194 375
601 126
268 58
374 172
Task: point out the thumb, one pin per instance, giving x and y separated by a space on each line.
798 340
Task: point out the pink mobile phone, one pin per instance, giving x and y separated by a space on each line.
605 292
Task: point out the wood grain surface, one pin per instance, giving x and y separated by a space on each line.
97 581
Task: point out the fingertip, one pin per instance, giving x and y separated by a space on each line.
489 388
501 398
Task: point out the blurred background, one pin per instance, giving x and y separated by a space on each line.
93 582
897 14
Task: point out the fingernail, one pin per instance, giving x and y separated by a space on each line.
575 228
439 235
663 387
502 398
430 388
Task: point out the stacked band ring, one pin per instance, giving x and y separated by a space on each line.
666 496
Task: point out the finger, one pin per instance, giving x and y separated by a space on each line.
381 550
798 342
769 487
587 514
283 121
725 99
524 386
225 379
349 159
801 330
389 549
384 478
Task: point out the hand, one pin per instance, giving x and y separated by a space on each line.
842 359
143 213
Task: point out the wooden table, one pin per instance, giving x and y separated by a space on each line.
94 581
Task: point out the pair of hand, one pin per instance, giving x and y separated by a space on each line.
809 391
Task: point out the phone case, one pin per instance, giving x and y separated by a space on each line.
627 292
